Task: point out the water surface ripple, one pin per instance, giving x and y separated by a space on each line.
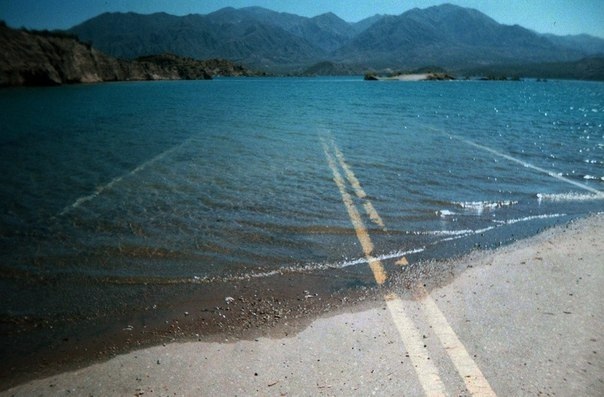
194 181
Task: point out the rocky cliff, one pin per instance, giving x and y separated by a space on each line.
47 58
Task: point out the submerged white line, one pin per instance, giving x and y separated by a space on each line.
118 179
521 162
534 167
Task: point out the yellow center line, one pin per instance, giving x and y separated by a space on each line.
472 376
356 186
427 373
379 273
402 262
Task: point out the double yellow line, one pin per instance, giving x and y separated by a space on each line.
428 374
379 273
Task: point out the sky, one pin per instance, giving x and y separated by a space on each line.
560 17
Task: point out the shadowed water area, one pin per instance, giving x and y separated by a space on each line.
121 199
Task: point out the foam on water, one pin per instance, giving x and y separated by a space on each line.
593 178
458 234
450 235
461 232
528 218
306 268
309 268
569 197
476 207
480 206
445 213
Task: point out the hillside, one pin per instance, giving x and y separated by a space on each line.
46 58
585 43
327 68
450 36
447 35
591 68
228 33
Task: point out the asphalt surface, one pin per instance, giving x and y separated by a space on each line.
528 317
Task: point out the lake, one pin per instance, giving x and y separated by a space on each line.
108 189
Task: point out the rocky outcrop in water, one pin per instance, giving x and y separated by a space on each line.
50 58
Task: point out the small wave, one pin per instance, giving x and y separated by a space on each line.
308 268
400 254
594 178
480 206
449 232
529 218
444 213
450 235
457 234
476 207
461 232
566 197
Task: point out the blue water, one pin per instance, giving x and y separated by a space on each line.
127 184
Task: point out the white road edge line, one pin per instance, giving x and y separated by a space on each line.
521 162
114 181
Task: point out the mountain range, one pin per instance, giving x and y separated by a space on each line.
447 35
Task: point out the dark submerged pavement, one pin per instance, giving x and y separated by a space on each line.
529 316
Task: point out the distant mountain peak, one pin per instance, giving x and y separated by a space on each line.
327 15
447 35
444 12
223 10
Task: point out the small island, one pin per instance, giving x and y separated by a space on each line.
428 73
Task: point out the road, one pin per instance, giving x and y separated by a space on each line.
526 319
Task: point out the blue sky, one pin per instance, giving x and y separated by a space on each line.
544 16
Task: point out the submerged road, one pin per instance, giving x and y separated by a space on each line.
529 315
427 373
525 319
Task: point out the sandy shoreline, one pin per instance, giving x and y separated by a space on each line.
507 307
410 77
184 312
415 77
